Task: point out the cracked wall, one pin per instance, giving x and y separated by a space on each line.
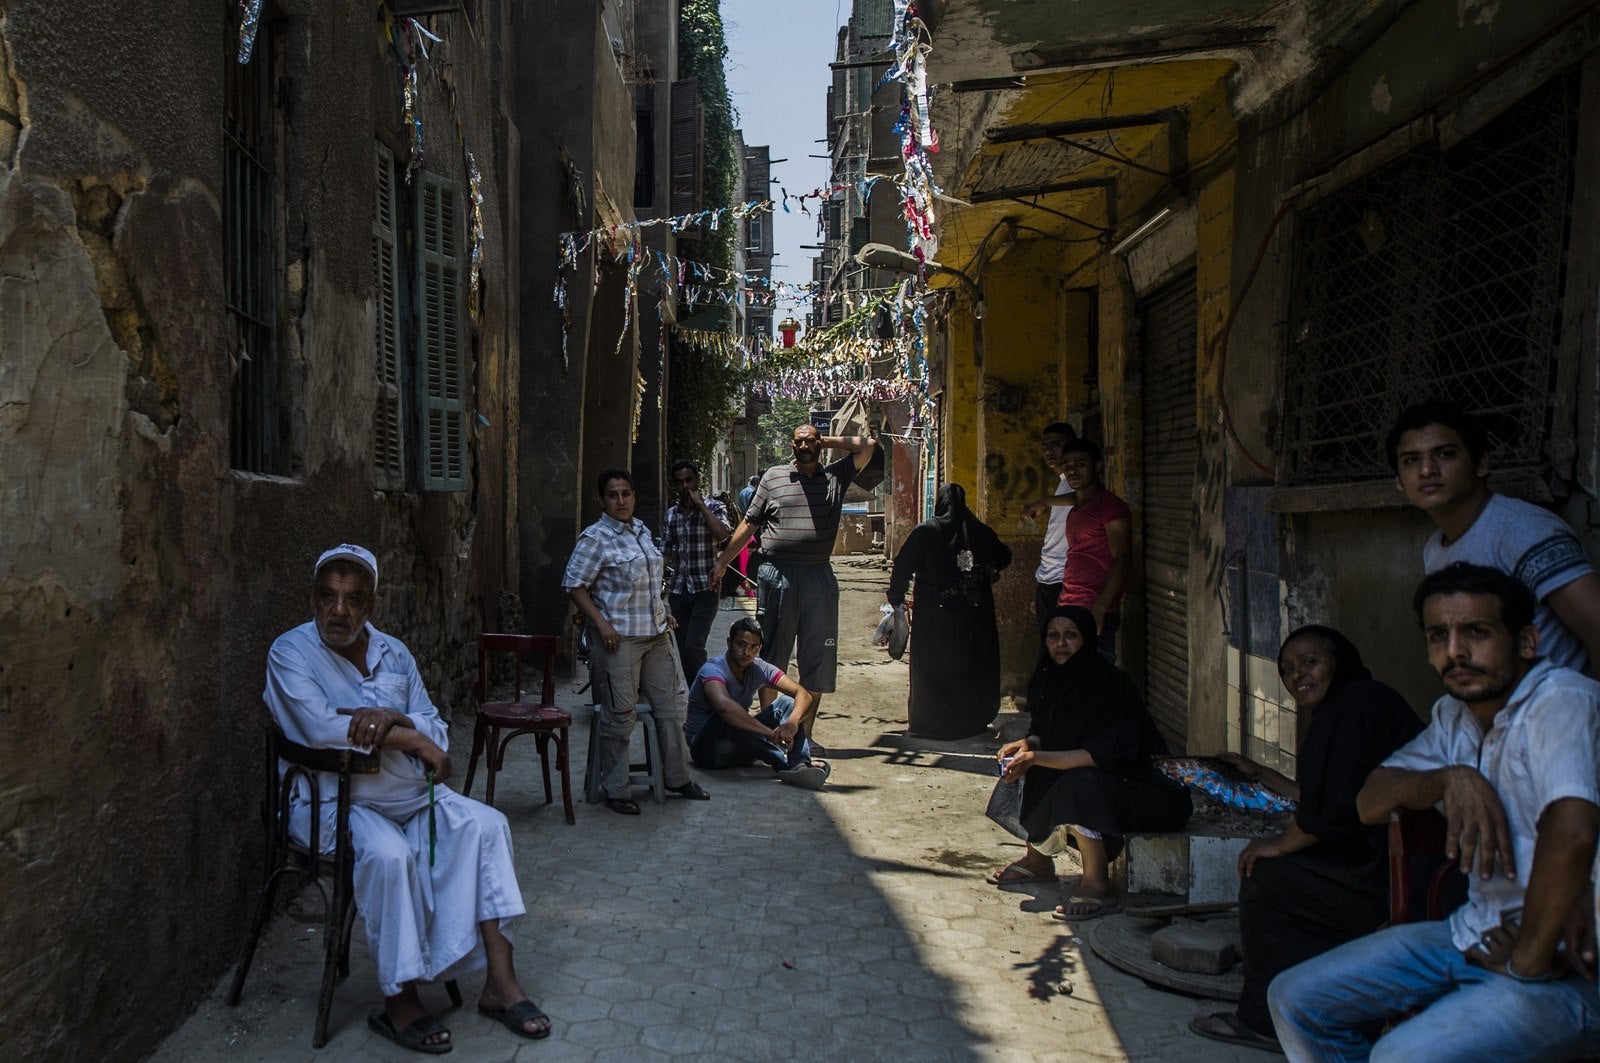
141 578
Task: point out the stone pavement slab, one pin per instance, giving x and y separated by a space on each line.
766 924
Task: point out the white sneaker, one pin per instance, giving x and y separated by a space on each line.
807 776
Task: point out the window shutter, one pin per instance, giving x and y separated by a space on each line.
687 137
388 441
860 233
440 342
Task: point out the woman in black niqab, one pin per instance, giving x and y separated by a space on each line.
955 647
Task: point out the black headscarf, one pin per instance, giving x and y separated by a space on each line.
1080 668
1348 666
1359 723
950 510
1087 703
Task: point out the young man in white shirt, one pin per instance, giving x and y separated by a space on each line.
1053 551
1440 455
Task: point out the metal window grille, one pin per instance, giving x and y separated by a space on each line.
1438 275
388 432
251 265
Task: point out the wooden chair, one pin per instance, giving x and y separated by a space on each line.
1415 836
544 720
330 872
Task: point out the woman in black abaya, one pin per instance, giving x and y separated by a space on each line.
1088 777
955 650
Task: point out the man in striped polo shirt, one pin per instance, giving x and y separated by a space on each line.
796 508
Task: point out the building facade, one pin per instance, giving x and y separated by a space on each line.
1230 248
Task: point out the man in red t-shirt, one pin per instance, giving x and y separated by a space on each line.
1099 540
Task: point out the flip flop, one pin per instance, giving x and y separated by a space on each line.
517 1016
1016 875
1227 1027
410 1036
1102 906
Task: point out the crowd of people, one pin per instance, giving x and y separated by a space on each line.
433 873
1511 755
1510 612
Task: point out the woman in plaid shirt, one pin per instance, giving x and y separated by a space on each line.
614 578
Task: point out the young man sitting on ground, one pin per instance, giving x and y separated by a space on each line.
721 730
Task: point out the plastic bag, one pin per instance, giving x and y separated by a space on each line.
899 632
1005 807
880 634
1222 783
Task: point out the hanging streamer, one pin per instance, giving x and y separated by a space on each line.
249 22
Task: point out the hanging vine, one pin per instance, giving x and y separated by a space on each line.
704 388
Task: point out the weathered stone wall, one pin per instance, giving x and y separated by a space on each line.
1354 568
577 153
141 578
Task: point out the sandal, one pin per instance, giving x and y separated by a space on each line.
1016 874
626 806
1100 906
1227 1027
413 1035
517 1016
691 790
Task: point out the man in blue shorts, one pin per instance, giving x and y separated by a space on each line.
723 734
796 508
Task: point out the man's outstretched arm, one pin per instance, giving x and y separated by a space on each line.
861 446
741 535
1476 818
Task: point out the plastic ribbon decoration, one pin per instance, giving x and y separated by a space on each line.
249 22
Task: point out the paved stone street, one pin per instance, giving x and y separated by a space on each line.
768 923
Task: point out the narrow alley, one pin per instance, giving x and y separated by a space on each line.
766 924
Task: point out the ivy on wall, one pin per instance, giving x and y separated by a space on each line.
703 387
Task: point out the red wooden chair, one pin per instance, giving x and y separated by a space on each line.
1412 834
516 717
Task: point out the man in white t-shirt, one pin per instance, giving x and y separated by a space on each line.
1053 552
1440 455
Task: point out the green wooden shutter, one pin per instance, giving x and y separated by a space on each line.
440 339
388 433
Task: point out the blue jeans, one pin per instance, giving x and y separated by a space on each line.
1332 1007
694 613
721 745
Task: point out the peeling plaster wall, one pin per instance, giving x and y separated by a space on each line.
141 579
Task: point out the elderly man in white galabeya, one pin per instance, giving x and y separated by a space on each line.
431 916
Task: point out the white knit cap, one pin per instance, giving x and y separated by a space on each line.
349 552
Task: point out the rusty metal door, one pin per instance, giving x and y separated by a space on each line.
1167 328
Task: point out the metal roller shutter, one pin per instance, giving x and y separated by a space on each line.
1171 448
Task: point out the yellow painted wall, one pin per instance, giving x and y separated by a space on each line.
960 408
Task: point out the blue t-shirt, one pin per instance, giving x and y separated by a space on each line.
1535 546
718 670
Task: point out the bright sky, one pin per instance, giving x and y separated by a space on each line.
778 76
